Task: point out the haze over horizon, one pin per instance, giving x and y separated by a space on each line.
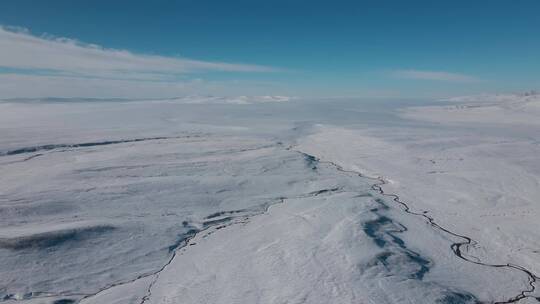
138 49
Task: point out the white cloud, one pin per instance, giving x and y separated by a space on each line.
434 75
32 86
60 62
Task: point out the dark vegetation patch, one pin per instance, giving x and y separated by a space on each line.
53 238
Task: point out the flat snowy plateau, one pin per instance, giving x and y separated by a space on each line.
270 200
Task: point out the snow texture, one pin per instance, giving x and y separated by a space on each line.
240 200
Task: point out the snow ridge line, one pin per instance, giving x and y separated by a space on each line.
455 247
82 296
239 219
49 147
280 200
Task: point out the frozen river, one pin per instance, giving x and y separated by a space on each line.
278 202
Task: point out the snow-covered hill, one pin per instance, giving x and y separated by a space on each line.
518 109
204 201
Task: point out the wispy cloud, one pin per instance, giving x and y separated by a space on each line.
433 75
61 56
32 86
37 66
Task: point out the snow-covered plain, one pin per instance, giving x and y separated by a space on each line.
268 200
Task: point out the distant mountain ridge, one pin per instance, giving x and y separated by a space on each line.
521 97
190 99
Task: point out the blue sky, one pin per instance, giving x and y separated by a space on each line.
305 48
